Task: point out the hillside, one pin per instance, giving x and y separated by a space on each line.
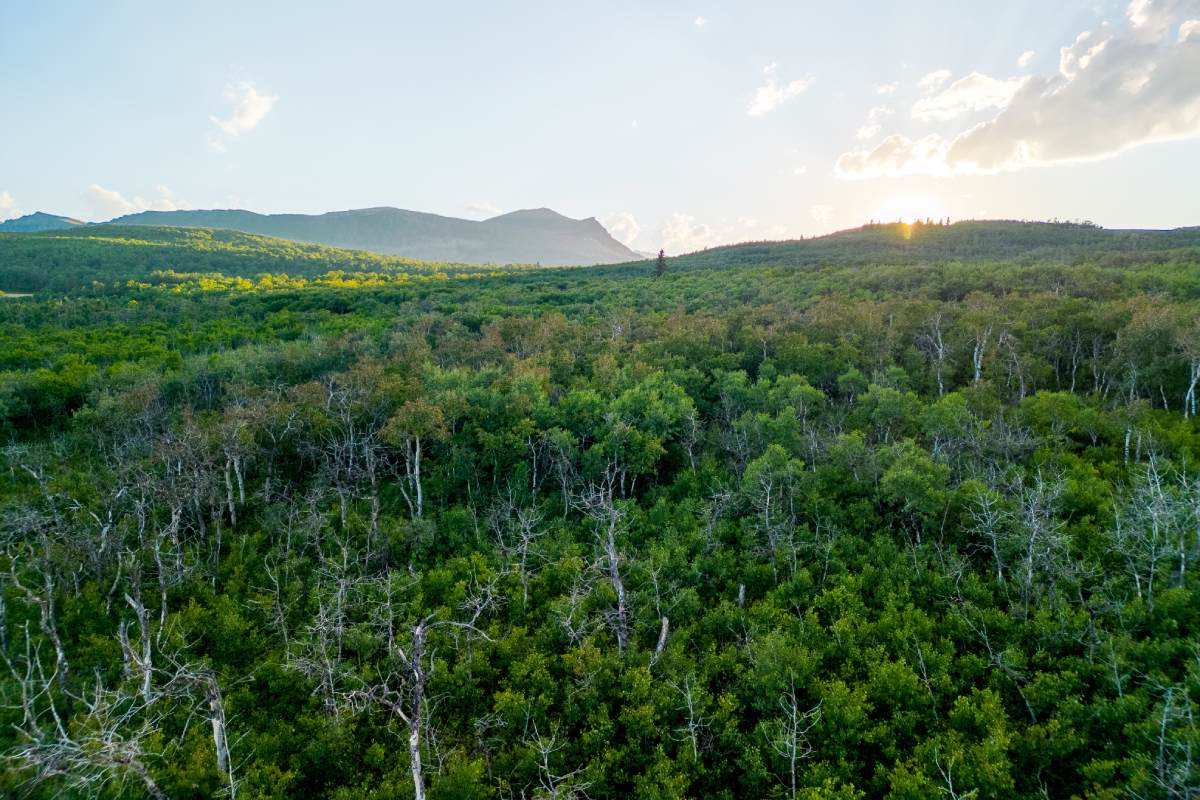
969 240
37 222
95 256
531 236
105 256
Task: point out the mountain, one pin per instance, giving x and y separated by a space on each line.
37 222
530 236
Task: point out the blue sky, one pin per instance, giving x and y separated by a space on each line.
678 124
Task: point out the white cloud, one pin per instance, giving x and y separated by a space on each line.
249 109
896 155
483 210
683 234
975 92
1115 89
700 22
1189 29
774 93
107 204
775 232
800 170
822 213
886 88
8 207
1026 58
623 227
874 119
1154 17
934 80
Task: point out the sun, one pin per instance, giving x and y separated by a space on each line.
909 208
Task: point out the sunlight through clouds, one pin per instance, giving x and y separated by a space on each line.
1115 90
681 233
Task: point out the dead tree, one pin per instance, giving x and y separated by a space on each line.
102 744
988 518
695 723
554 783
1040 538
979 352
947 773
789 734
517 530
1157 522
597 502
1175 768
399 680
200 685
932 343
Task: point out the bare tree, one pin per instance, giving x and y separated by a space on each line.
947 772
597 502
398 681
1039 536
103 743
789 734
1175 760
979 351
554 783
988 518
517 530
932 343
695 723
1155 522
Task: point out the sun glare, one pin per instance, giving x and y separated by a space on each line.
910 208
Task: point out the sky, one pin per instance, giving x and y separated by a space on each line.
677 123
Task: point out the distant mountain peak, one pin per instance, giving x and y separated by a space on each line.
532 215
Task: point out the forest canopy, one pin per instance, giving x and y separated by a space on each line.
908 511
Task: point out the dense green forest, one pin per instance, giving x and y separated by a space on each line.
904 512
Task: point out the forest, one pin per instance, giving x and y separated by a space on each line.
908 511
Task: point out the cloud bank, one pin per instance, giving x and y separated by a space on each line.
106 204
1115 89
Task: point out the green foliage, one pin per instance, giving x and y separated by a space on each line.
740 529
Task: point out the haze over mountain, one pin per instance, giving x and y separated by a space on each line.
529 236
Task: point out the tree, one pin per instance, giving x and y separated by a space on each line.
415 424
660 264
402 658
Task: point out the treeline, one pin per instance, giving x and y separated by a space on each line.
932 241
843 532
105 258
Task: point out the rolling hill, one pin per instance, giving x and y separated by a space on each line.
902 244
37 222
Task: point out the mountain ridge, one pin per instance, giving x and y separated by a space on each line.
524 236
